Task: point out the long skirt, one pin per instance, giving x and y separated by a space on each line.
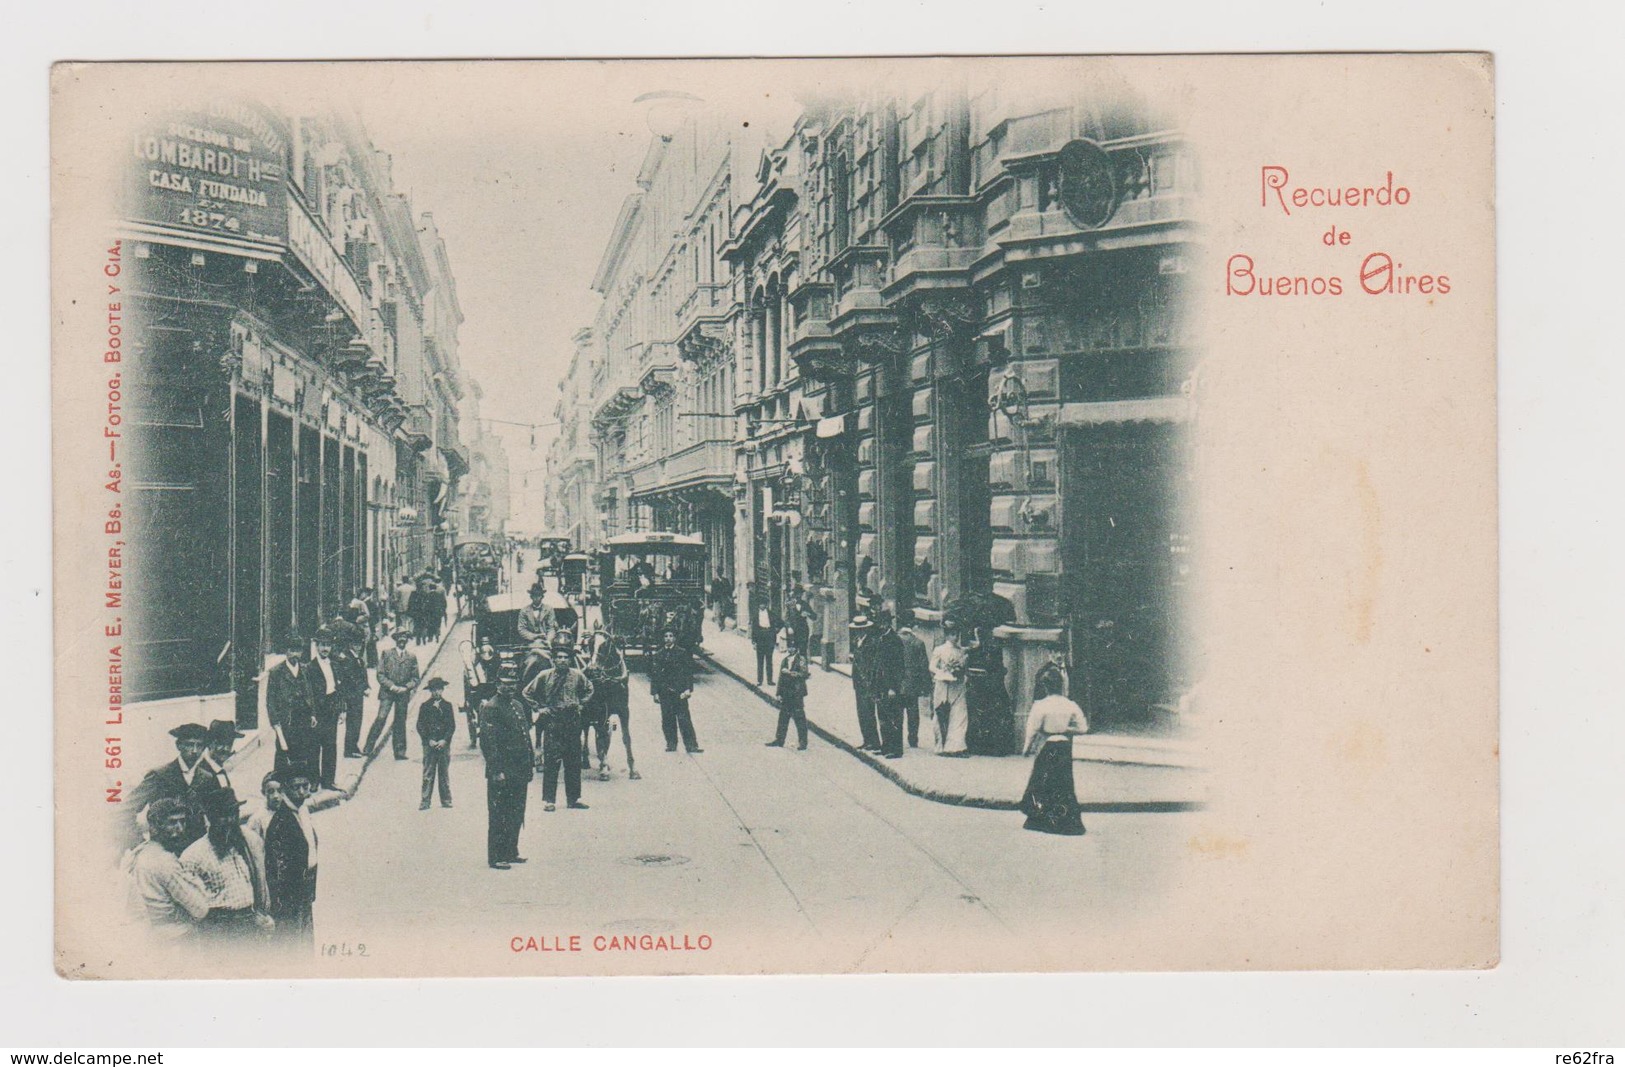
1051 802
953 719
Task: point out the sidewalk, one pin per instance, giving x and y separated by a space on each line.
256 753
1112 773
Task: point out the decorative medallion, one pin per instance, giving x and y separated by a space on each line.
1089 189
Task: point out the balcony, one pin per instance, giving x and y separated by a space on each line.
418 428
860 306
934 242
657 368
706 305
818 354
704 463
1149 192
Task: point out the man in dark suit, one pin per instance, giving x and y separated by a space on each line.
671 682
290 866
222 739
327 701
916 676
437 725
792 695
764 631
509 767
289 708
397 678
862 689
350 672
187 779
886 663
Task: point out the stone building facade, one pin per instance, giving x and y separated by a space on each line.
294 389
963 381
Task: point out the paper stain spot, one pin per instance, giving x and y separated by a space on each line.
1364 748
1217 846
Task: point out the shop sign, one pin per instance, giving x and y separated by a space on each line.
220 170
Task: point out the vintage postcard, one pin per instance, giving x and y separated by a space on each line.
795 516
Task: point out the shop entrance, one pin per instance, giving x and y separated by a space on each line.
1124 536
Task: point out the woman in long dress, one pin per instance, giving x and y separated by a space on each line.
1051 800
952 714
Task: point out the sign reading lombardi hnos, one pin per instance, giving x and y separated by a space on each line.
218 171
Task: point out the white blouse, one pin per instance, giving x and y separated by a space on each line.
1054 716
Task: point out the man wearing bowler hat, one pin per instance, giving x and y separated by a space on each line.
223 735
288 706
397 678
437 725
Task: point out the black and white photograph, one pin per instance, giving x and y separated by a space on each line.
773 517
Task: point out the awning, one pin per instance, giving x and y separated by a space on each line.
833 426
1148 409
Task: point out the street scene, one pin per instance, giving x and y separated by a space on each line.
809 592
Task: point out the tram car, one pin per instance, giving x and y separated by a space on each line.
649 583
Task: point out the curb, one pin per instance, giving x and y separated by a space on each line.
963 800
340 796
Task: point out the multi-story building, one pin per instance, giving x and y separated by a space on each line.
289 325
960 373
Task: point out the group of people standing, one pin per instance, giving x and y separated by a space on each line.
554 714
210 869
420 607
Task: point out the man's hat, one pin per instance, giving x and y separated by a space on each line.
221 730
190 731
436 683
563 639
860 622
293 637
325 634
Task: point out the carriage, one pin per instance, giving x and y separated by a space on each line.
479 570
551 551
649 583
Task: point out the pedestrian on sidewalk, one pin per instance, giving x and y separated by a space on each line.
350 672
222 739
671 683
398 675
607 671
291 866
437 725
952 718
862 689
509 767
327 700
916 676
792 696
885 655
559 695
417 609
289 708
1051 800
764 630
